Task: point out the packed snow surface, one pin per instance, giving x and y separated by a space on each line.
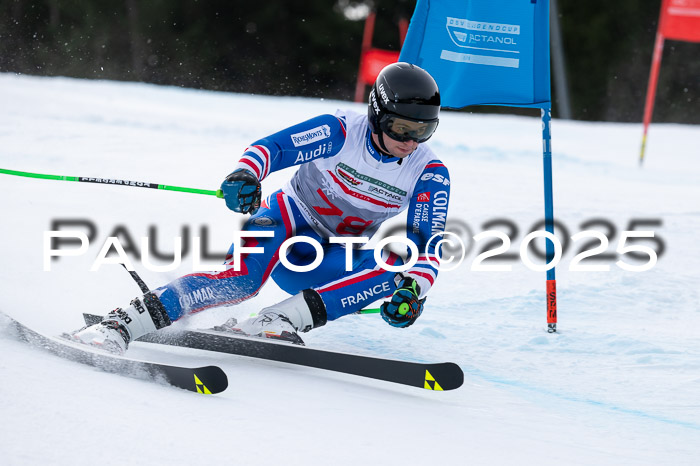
619 383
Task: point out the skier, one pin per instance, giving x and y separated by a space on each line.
354 172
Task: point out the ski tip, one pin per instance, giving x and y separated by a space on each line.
443 377
209 380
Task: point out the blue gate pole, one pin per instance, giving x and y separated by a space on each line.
549 217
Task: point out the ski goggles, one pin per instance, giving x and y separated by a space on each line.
402 129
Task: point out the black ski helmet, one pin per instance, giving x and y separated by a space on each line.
407 91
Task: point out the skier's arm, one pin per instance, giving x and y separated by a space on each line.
320 137
427 215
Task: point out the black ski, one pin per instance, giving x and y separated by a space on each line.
206 380
437 376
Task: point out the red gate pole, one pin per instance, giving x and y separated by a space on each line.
651 89
366 45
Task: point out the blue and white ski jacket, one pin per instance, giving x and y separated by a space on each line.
346 187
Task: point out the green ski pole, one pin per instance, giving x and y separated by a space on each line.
136 184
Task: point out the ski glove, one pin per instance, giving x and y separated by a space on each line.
242 192
404 307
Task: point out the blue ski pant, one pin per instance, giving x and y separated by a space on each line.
343 292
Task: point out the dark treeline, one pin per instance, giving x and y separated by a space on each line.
312 48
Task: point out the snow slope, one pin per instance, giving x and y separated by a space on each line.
619 384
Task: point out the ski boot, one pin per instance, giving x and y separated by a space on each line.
121 326
282 321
